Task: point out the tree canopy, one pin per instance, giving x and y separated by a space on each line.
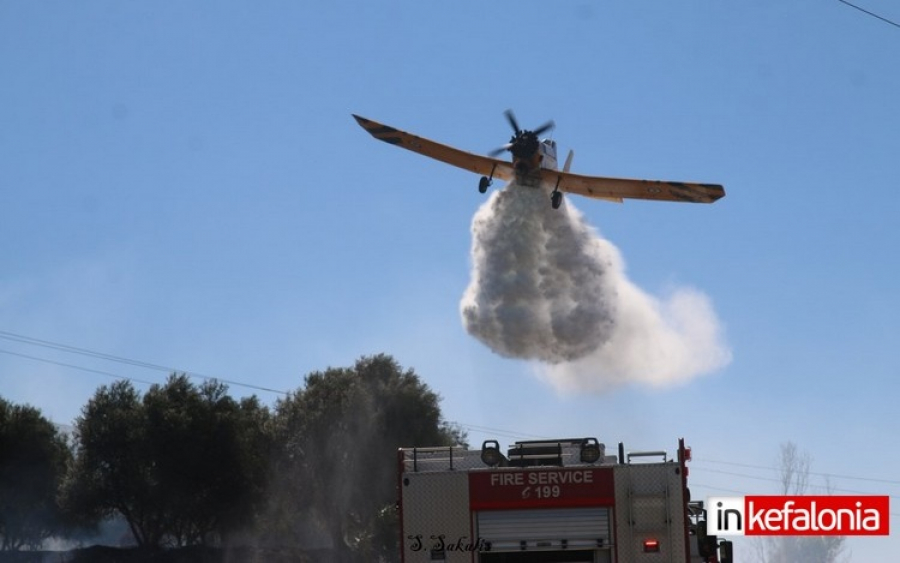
33 459
185 464
339 437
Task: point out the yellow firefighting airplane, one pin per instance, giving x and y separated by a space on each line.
534 164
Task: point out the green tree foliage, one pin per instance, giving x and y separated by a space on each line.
210 452
183 465
113 471
339 437
33 460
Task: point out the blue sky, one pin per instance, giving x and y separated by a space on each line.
183 184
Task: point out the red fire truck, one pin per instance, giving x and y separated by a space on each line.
551 501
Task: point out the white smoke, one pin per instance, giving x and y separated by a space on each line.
545 286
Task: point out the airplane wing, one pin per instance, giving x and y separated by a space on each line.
617 189
484 165
610 189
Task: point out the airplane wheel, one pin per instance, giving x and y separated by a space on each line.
556 199
484 184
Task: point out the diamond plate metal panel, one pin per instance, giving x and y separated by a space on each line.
436 515
649 505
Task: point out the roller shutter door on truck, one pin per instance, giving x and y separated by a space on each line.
548 528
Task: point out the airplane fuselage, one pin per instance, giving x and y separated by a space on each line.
528 168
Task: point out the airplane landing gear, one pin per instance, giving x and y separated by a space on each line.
556 195
556 199
486 181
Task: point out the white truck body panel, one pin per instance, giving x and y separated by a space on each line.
455 509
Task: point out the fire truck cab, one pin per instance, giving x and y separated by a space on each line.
550 501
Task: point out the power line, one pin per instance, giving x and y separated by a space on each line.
818 474
22 339
873 14
775 480
73 366
501 432
11 336
695 484
14 337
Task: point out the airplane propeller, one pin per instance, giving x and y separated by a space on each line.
511 117
524 143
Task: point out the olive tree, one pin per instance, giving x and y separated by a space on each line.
33 460
184 464
338 438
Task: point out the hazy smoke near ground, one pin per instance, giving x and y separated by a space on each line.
545 286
